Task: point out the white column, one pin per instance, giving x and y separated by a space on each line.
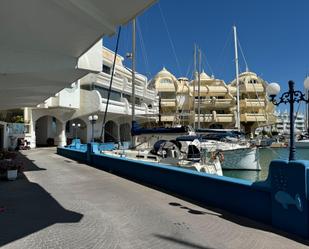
30 136
60 138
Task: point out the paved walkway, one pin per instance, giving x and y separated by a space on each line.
63 204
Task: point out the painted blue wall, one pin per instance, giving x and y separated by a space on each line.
281 200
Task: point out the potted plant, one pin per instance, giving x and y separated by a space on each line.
10 168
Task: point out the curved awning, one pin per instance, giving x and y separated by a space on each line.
44 44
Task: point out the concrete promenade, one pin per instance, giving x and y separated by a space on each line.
61 203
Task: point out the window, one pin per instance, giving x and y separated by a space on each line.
114 95
164 81
220 111
138 101
85 87
167 95
106 69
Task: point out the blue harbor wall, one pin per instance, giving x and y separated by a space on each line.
281 200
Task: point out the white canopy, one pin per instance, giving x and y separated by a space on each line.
43 44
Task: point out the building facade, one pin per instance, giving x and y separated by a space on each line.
217 105
282 125
65 115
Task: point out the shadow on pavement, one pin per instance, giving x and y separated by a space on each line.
243 221
181 242
26 208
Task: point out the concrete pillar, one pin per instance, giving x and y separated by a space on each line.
60 139
30 136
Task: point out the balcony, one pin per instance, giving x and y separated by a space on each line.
214 104
252 117
167 118
168 103
224 118
251 88
121 84
252 103
210 90
204 118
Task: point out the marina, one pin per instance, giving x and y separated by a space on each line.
122 124
266 155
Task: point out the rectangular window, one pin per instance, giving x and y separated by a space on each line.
114 95
138 101
106 69
167 95
85 87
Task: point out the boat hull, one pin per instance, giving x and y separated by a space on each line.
302 144
241 159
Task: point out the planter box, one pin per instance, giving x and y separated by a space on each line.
12 174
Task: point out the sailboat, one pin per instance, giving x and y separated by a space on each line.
163 152
238 153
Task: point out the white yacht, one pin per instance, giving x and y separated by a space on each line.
178 153
236 154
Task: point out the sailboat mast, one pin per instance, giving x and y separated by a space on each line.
133 73
237 79
194 79
307 109
199 88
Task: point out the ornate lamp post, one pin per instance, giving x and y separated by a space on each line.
290 97
93 119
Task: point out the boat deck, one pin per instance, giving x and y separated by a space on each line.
61 203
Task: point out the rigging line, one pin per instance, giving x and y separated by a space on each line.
110 83
207 63
170 38
243 56
144 51
227 42
190 65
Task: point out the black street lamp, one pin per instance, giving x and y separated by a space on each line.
290 97
93 119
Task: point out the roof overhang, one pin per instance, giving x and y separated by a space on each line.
45 45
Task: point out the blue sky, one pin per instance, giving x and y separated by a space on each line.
274 36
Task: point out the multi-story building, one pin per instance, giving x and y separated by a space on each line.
255 108
217 102
282 125
52 120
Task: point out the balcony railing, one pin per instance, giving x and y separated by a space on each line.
224 118
168 102
123 85
167 117
252 117
217 103
251 87
204 118
252 103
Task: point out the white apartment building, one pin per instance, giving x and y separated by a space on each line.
52 121
283 122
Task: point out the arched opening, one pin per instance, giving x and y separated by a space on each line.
76 128
110 132
48 130
125 132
